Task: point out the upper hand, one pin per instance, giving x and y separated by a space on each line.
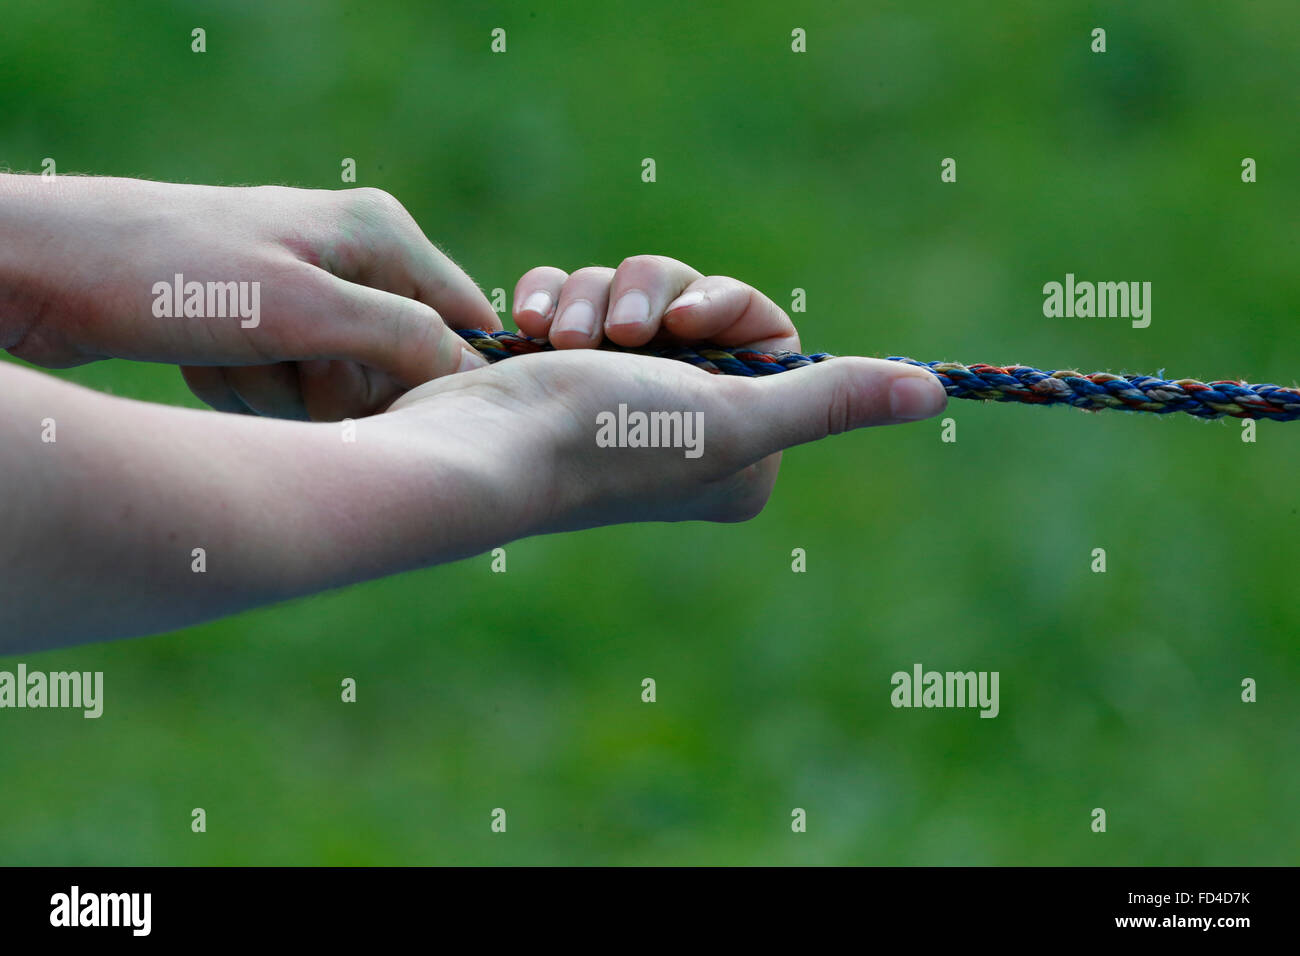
355 302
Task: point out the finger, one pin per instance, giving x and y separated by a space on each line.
808 404
535 296
270 390
399 258
642 288
729 312
401 337
208 383
580 311
333 391
445 286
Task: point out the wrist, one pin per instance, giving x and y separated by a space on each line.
471 482
399 491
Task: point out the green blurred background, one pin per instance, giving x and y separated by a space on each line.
817 171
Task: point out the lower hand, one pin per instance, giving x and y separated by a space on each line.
534 419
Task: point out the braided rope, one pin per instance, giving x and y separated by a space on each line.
992 383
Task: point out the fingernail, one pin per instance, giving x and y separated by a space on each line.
912 397
578 317
539 302
686 300
470 359
632 309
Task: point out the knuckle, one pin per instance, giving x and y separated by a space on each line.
590 274
370 202
762 306
839 410
372 194
644 263
730 284
542 275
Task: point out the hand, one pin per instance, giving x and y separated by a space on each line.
533 420
647 297
353 297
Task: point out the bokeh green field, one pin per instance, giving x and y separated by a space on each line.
817 171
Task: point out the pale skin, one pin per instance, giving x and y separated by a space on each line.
451 457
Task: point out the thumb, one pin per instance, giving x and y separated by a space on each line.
392 333
840 394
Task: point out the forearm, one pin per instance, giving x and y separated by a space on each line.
58 241
101 526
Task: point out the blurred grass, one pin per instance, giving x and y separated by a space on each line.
817 171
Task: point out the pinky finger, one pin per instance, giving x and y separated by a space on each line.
729 312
